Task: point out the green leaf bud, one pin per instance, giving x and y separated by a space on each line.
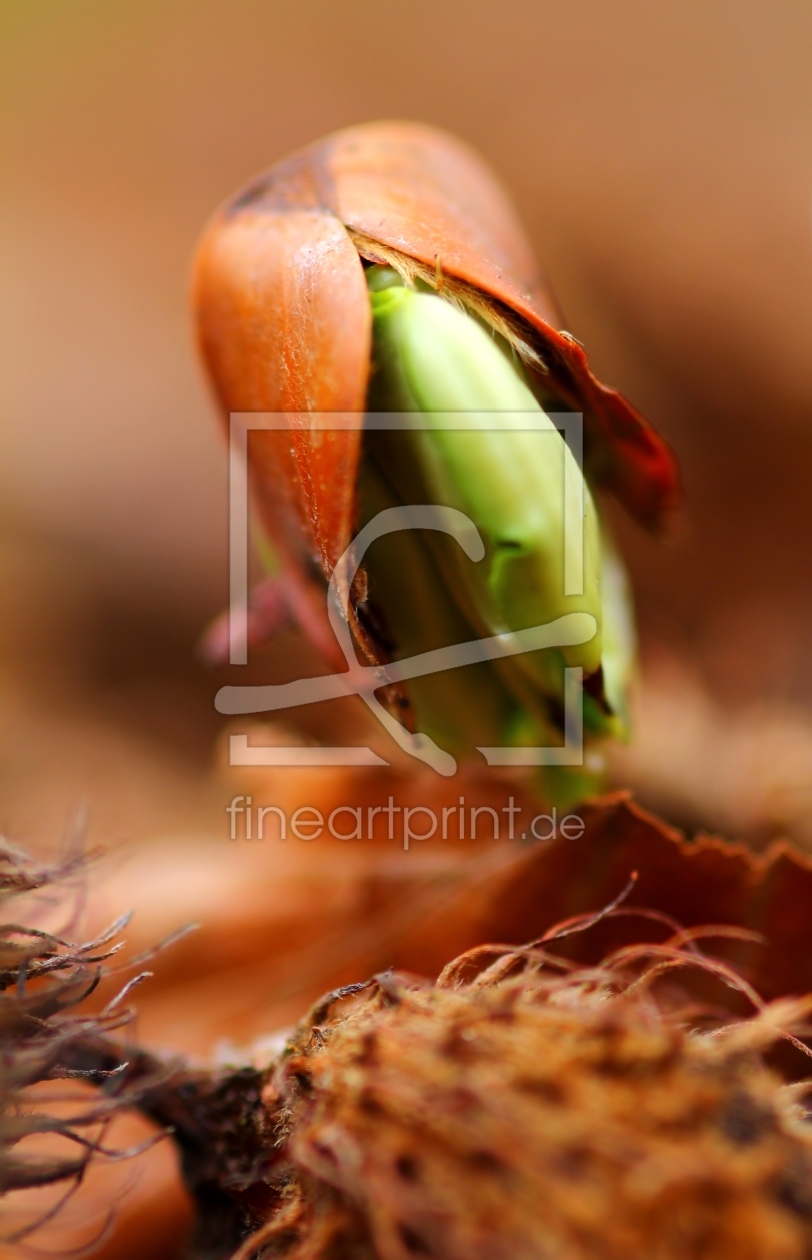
514 484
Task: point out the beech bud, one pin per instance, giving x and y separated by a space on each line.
382 269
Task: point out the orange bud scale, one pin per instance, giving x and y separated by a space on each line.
285 325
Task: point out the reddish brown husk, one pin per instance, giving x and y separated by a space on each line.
284 321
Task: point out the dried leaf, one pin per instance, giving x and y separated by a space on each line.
702 881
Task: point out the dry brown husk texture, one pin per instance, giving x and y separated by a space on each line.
524 1108
527 1104
48 1034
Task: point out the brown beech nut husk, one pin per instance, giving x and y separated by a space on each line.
523 1105
284 321
522 1109
99 1180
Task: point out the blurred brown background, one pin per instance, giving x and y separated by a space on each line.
661 157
